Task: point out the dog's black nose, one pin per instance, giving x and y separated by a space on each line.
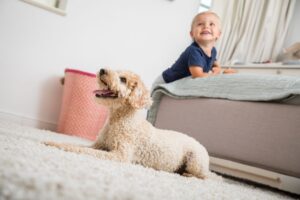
102 72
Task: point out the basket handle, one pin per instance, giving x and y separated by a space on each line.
62 80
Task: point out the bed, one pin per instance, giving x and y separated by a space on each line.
249 123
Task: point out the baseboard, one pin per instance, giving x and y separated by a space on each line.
12 118
265 177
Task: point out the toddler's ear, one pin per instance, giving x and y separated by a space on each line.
191 34
220 33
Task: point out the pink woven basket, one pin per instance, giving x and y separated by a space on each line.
80 115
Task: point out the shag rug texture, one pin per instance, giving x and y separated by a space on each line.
31 170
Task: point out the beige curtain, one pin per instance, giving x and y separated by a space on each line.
252 30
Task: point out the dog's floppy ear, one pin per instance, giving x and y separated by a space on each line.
139 96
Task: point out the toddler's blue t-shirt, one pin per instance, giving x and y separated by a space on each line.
192 56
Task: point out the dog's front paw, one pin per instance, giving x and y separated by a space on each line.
54 144
65 147
48 143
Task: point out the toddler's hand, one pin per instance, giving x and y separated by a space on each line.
230 71
216 70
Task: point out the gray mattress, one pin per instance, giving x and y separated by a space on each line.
260 134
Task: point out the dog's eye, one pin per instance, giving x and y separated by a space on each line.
123 79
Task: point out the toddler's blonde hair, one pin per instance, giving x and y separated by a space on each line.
206 13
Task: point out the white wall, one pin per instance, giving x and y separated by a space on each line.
145 36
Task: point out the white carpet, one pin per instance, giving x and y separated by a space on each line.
31 170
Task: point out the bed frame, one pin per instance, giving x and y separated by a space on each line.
256 141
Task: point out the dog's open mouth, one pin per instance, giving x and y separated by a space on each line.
105 94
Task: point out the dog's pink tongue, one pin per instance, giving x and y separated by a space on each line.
103 92
98 91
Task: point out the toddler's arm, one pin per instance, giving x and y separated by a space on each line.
197 71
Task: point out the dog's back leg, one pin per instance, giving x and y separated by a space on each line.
197 164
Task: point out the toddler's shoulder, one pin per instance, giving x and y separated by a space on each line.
193 50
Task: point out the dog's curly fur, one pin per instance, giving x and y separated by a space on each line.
127 137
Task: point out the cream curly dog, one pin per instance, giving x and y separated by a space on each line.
127 137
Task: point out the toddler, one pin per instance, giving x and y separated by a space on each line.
198 59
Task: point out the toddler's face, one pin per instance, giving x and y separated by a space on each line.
206 29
